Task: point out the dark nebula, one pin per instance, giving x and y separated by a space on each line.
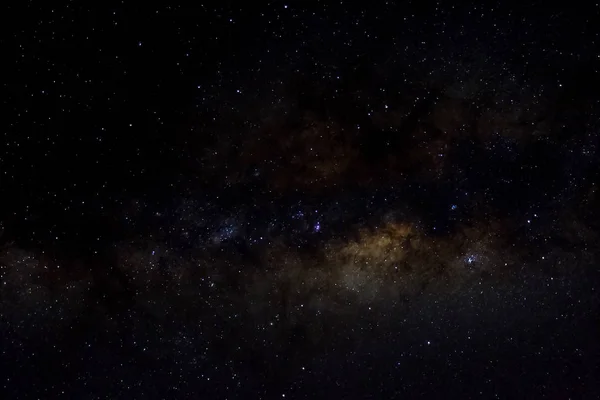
302 200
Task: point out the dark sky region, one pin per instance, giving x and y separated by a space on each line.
300 200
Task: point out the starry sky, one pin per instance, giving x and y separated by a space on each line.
300 200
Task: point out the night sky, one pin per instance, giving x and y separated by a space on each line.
300 200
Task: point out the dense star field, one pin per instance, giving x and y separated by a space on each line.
300 200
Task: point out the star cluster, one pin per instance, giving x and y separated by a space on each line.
300 200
